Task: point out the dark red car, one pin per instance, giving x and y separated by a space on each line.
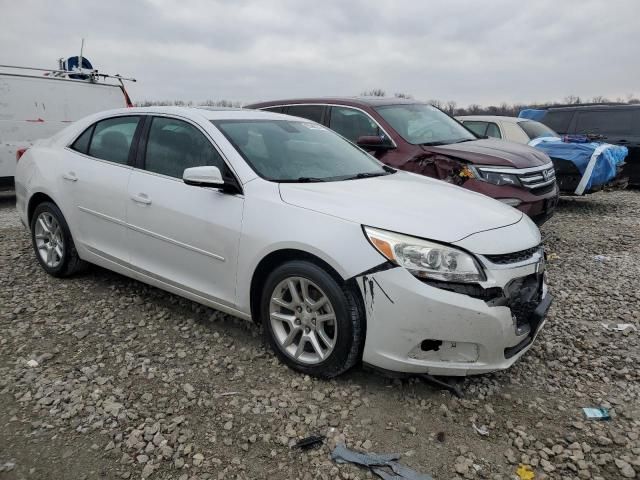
420 138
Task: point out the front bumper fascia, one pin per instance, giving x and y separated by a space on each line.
464 335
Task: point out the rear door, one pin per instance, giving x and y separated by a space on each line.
314 113
182 235
476 126
94 178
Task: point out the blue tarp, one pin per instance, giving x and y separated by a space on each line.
597 162
532 114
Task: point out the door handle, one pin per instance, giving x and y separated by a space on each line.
141 198
71 176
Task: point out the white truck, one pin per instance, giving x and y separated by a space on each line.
36 103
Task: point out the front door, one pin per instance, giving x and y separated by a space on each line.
183 235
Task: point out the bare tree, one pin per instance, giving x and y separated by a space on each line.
572 99
451 107
436 103
599 99
403 95
375 92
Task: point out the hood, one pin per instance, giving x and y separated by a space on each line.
405 203
494 152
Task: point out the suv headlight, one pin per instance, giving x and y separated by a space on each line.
424 259
496 178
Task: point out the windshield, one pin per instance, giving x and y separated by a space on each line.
298 151
423 124
536 129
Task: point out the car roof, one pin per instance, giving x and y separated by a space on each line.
208 113
493 118
594 106
360 101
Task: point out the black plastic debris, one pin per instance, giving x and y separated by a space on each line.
307 443
448 384
383 465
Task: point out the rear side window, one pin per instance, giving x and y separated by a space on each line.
274 109
174 145
536 129
493 131
82 142
311 112
476 127
352 124
558 120
112 139
604 121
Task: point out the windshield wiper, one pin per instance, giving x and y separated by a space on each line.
367 175
433 144
466 140
302 180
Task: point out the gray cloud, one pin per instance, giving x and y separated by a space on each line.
469 51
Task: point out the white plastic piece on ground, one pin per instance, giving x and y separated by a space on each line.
590 166
619 327
32 363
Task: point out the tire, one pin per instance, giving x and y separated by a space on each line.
62 265
345 332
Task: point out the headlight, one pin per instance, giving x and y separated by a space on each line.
425 259
496 178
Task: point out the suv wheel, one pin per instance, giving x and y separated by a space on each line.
313 323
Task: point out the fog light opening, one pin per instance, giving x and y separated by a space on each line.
430 345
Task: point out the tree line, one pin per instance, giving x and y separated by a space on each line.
449 106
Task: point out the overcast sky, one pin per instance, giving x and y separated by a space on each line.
470 51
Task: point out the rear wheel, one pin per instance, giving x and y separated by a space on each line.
313 323
52 242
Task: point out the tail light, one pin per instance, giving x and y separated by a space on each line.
19 153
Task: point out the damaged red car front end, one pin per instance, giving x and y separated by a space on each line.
420 138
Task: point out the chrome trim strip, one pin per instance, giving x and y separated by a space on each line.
515 171
174 242
102 216
152 234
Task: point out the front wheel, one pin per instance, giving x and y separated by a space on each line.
314 324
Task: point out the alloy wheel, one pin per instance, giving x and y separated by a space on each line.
49 239
303 320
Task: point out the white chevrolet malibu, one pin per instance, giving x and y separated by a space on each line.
280 220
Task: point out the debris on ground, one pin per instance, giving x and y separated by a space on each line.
383 465
524 472
596 413
619 327
481 430
310 442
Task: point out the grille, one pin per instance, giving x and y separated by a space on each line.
535 178
514 257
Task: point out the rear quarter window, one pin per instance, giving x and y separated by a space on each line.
82 142
558 120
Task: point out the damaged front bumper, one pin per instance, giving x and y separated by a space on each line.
449 329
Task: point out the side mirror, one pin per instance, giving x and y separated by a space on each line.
203 177
373 142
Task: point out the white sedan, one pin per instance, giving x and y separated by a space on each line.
280 220
514 129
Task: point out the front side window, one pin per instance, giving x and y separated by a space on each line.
112 139
422 124
536 129
297 151
174 145
312 112
352 124
477 127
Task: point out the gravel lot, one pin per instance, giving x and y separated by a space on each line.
132 382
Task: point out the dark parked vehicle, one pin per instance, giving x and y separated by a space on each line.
420 138
616 124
